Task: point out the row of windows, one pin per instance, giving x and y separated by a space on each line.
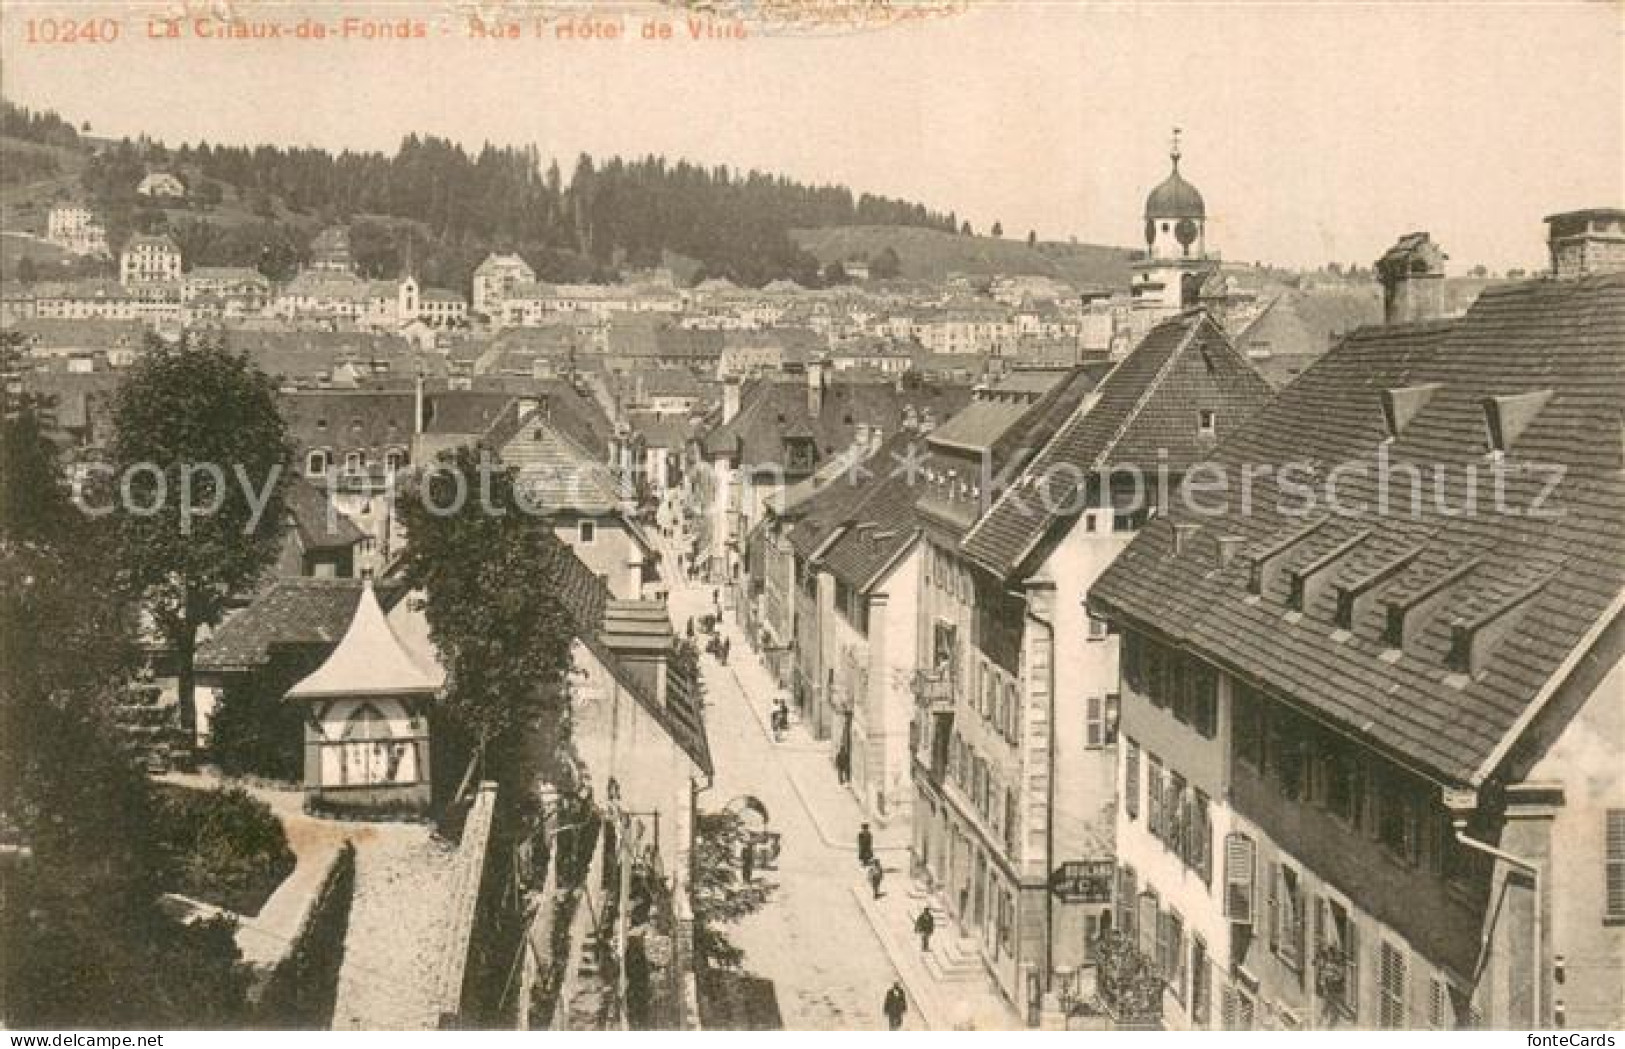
319 460
1177 814
945 573
995 697
1159 934
996 805
1170 680
1291 916
1313 766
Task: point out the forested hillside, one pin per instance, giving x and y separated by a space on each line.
439 207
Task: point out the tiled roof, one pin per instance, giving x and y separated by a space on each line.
559 474
772 408
293 611
884 524
348 419
320 527
1144 415
1452 721
842 494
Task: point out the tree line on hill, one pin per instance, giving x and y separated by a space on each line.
438 208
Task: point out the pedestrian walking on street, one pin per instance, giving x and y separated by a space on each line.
843 766
727 646
895 1005
925 925
866 845
876 875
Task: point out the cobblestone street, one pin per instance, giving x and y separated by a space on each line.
829 969
829 964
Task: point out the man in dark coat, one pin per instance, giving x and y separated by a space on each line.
925 925
866 845
895 1006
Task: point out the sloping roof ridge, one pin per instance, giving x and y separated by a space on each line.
1202 319
1082 408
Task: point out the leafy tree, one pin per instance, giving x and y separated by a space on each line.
721 896
835 274
82 939
498 625
183 411
886 265
998 228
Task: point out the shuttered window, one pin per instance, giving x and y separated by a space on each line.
1391 1004
1239 857
1201 985
1131 780
1438 1005
1153 786
1616 865
1127 893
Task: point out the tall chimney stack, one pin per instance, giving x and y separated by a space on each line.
1412 276
1586 242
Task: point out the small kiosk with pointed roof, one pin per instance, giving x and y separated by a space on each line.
367 720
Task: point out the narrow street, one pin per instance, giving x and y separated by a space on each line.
829 969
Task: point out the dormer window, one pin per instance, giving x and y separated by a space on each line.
316 464
1207 422
1401 405
1507 417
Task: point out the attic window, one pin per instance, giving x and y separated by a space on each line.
1207 422
321 424
1507 417
1401 404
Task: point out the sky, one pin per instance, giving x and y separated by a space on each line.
1316 131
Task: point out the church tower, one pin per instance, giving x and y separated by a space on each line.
1176 260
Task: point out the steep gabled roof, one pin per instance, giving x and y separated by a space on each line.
1441 697
369 661
1143 415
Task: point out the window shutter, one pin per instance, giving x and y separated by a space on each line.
1615 876
1131 780
1274 874
1238 878
1392 975
1094 735
1438 996
1227 1009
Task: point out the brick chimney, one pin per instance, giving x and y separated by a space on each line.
1586 242
1412 276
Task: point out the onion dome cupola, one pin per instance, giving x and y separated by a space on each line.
1175 214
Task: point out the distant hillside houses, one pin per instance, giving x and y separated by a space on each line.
74 228
161 185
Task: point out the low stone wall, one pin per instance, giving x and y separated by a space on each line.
303 987
468 879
